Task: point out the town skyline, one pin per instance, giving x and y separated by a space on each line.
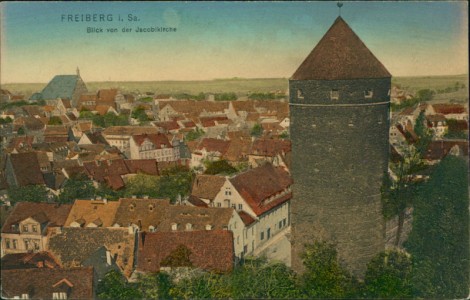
221 40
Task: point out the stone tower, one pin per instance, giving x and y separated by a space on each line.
339 106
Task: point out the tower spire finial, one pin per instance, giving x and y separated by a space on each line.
78 71
339 4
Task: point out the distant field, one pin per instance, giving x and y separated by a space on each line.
242 86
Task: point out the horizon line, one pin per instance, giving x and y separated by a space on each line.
216 79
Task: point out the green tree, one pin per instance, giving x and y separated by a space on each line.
54 120
388 275
104 191
6 120
175 182
194 134
257 130
77 188
219 167
114 286
140 114
143 185
29 193
86 114
21 131
425 95
257 279
155 286
424 134
324 277
226 96
439 240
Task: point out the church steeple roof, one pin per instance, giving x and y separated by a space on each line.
340 54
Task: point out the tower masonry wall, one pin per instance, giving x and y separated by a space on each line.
339 156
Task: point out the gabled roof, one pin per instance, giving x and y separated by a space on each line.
91 210
198 217
340 54
210 250
270 147
207 186
55 213
214 145
157 140
246 218
141 212
42 259
258 185
129 130
61 86
72 246
446 109
43 282
26 168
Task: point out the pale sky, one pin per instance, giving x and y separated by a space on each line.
221 39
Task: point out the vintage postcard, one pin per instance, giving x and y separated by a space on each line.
242 150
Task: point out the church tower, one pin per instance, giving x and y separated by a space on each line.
339 108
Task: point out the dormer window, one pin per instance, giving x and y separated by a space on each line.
368 93
300 94
208 227
151 207
131 207
151 228
189 226
60 295
174 226
35 228
334 94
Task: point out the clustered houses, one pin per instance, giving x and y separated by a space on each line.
260 196
439 119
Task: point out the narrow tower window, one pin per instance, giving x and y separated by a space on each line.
334 94
368 93
300 94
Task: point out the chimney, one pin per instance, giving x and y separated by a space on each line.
108 257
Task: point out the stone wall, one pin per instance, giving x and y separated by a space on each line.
339 155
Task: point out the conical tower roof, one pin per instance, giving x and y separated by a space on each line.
340 54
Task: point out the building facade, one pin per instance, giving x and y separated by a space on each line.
339 103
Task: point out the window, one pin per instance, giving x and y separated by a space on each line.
26 244
25 228
300 94
151 228
208 227
268 233
262 236
284 222
189 226
334 94
35 228
7 243
219 204
368 93
24 296
245 249
280 224
174 226
60 295
15 244
240 206
238 240
234 206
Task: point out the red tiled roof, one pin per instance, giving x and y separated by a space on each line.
26 168
147 166
42 259
446 109
257 185
340 54
210 250
158 140
197 201
91 210
439 149
43 282
168 125
56 214
270 147
207 186
214 145
246 218
107 95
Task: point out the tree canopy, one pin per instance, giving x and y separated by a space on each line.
439 240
